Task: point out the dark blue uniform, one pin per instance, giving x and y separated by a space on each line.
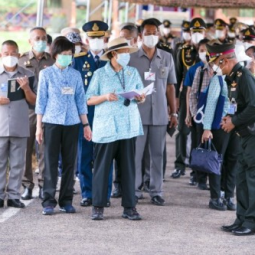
85 64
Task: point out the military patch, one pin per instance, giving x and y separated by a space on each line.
239 74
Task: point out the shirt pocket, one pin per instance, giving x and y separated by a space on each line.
163 72
104 128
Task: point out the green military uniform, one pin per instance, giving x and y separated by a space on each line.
244 83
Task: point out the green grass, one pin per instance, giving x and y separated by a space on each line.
20 37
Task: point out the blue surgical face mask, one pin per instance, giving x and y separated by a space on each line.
123 59
40 46
64 60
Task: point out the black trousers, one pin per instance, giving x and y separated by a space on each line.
245 183
64 140
228 145
182 136
123 151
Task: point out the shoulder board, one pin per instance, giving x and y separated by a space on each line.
80 54
24 54
185 46
167 46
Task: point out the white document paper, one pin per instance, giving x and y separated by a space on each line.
132 94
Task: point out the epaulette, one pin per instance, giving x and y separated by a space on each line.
167 46
186 45
84 53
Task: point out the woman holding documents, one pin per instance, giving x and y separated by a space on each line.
116 125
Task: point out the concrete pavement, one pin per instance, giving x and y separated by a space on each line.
185 225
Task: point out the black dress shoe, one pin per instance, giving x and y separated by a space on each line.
108 204
158 200
1 203
41 193
217 204
116 193
97 213
193 180
243 231
177 173
27 194
229 202
15 203
230 228
131 214
86 202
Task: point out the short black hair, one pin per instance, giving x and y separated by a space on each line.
202 42
152 22
49 39
131 29
38 28
10 43
60 44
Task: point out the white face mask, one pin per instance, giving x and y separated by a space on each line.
197 37
150 40
9 61
231 35
96 44
139 44
217 70
166 30
186 36
247 45
219 34
77 49
202 56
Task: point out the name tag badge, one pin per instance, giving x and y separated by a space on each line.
232 109
67 91
149 76
4 87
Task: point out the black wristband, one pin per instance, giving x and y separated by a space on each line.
85 125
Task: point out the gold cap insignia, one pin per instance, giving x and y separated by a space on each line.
218 23
186 25
247 32
197 24
165 23
95 27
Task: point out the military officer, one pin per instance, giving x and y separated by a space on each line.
14 124
86 63
221 30
242 121
249 37
231 33
187 56
167 37
34 60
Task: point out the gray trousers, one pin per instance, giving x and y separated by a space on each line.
12 151
155 136
27 180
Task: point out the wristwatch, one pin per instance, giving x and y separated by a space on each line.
85 125
174 115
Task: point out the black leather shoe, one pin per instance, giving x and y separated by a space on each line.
41 193
108 204
230 228
177 173
27 194
158 200
202 186
193 180
1 203
117 192
97 213
86 202
131 214
217 204
229 202
15 203
243 231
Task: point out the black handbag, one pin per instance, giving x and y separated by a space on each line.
205 158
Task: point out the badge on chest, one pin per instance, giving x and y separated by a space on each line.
67 91
149 76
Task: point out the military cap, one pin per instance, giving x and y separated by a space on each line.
95 28
249 34
74 37
185 25
220 24
232 20
167 23
216 50
197 24
209 25
67 30
231 28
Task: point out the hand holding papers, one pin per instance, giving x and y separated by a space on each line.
137 93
